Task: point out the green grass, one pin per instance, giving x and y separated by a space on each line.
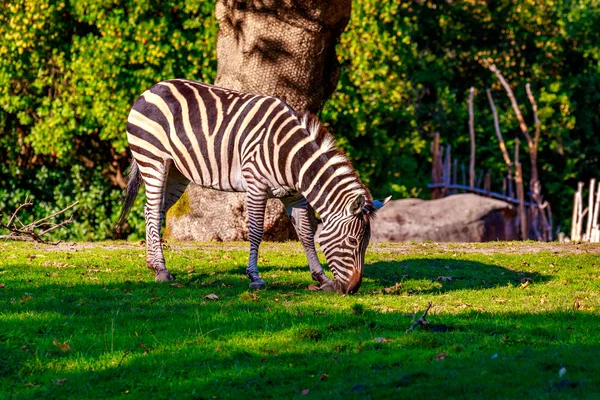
491 336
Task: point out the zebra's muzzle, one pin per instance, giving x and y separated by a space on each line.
351 288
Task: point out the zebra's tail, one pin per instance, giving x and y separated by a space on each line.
133 187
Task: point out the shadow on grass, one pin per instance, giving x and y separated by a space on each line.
146 339
448 274
254 349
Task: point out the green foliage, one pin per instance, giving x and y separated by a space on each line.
69 72
87 321
408 67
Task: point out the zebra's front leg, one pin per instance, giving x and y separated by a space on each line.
256 203
155 259
304 221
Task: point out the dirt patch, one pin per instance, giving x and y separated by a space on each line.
483 248
492 247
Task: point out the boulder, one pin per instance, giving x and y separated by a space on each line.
211 215
456 218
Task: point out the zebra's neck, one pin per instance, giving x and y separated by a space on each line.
324 175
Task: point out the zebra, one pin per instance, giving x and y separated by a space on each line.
183 131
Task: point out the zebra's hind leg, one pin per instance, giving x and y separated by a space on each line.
304 221
162 191
256 202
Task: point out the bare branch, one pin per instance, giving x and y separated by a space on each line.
513 101
66 222
421 320
37 223
27 232
14 215
498 133
536 120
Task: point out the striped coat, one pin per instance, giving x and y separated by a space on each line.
181 131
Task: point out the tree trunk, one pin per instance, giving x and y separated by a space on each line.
283 48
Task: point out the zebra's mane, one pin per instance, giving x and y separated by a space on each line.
326 142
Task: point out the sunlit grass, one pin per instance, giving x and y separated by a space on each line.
87 321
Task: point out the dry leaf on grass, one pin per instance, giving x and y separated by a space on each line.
211 296
444 278
304 392
177 284
143 346
62 346
381 340
313 287
441 356
2 285
393 289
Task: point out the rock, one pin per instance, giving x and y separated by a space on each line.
210 215
456 218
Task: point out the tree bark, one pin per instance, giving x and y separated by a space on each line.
282 48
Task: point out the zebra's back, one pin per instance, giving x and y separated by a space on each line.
210 133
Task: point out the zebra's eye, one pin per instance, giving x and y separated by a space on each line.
352 241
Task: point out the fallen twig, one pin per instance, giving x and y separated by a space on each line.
28 232
421 320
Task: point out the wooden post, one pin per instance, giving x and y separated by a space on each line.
504 186
574 218
472 136
534 223
479 179
447 163
540 213
521 197
536 139
454 173
464 175
596 229
549 219
580 211
590 217
436 170
488 181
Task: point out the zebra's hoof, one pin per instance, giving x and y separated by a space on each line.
258 284
327 286
163 276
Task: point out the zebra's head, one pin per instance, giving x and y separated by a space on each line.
344 240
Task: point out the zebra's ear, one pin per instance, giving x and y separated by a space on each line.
357 205
377 204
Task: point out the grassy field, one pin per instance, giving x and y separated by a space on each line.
509 320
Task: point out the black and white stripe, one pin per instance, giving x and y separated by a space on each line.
181 131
